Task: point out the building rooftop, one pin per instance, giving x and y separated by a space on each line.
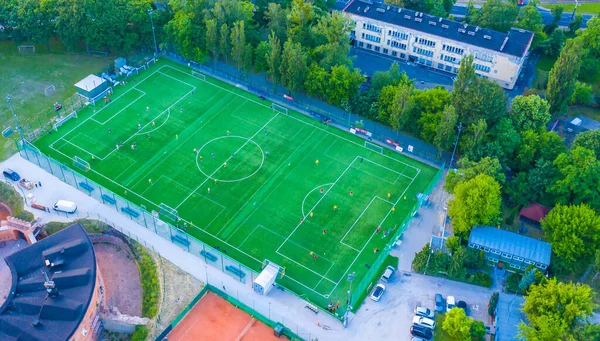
534 212
90 82
516 42
511 243
32 313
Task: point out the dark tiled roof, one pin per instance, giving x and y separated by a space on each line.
74 274
511 243
515 43
534 212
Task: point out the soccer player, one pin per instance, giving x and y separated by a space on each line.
228 133
335 207
132 146
351 193
378 229
139 126
109 130
393 209
317 162
324 231
389 195
153 124
311 253
311 214
209 190
200 158
93 158
147 108
176 137
225 164
267 153
322 191
195 150
232 154
149 181
215 181
148 135
180 109
405 197
117 147
266 131
212 155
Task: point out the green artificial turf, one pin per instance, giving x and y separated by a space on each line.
244 177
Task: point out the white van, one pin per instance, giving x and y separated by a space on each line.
65 206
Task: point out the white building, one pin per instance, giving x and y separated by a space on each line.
437 42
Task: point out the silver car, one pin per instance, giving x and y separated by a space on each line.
424 312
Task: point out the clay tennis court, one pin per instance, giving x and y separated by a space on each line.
215 319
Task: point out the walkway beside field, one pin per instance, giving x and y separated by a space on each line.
280 303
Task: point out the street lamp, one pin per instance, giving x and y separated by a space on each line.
350 278
455 144
575 10
150 13
18 126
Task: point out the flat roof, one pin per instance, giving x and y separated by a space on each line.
90 83
516 42
511 243
29 312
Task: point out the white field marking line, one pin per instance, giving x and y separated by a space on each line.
229 158
384 200
177 79
307 194
215 218
202 125
256 125
322 197
297 119
372 234
388 169
264 183
80 148
120 111
326 152
160 126
357 219
374 145
380 178
126 169
324 276
248 236
193 226
303 266
145 125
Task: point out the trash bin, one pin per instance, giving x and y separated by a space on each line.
278 330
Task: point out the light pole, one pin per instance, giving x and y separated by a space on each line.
150 13
575 9
18 126
455 144
350 278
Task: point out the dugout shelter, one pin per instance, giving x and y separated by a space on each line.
266 279
91 87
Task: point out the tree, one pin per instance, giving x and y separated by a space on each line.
212 38
589 139
466 75
293 65
70 20
557 11
536 145
553 309
335 28
582 94
182 30
578 179
393 76
478 331
590 64
458 325
429 104
274 59
453 243
224 41
529 112
496 15
261 53
530 19
277 20
576 23
316 80
238 44
588 331
573 232
562 77
476 202
554 44
446 130
343 84
506 140
468 169
300 19
392 104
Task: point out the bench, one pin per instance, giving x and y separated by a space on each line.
181 240
107 198
129 211
312 307
235 271
86 186
209 256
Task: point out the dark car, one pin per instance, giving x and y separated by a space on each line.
421 331
439 303
462 305
11 174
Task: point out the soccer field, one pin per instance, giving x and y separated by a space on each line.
259 184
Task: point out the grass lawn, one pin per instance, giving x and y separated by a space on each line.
26 76
439 334
546 62
589 8
587 111
253 180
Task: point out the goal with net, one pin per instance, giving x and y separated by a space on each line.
374 147
64 119
81 163
199 75
279 108
168 212
50 90
26 49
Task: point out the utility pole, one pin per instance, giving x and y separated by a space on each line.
150 13
455 144
18 126
575 9
350 278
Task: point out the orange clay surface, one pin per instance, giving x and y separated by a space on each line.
215 319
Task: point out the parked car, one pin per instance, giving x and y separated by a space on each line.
450 303
65 206
439 303
421 331
378 292
424 322
11 174
424 312
387 275
462 305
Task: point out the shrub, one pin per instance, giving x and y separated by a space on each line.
512 282
493 303
149 279
140 333
26 215
481 278
11 198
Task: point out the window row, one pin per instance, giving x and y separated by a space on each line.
482 68
425 42
399 35
423 52
372 27
484 57
396 44
453 49
449 59
371 38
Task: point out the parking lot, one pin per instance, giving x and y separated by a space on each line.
394 312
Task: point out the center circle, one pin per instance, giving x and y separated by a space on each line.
215 146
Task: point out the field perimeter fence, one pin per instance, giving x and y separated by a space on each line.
369 279
151 221
315 108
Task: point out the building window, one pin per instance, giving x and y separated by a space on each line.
377 48
451 59
484 57
453 49
369 46
542 266
402 55
385 51
429 63
486 250
398 35
496 252
394 53
494 260
372 38
448 68
482 68
361 44
372 28
398 45
518 259
425 42
528 262
423 52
